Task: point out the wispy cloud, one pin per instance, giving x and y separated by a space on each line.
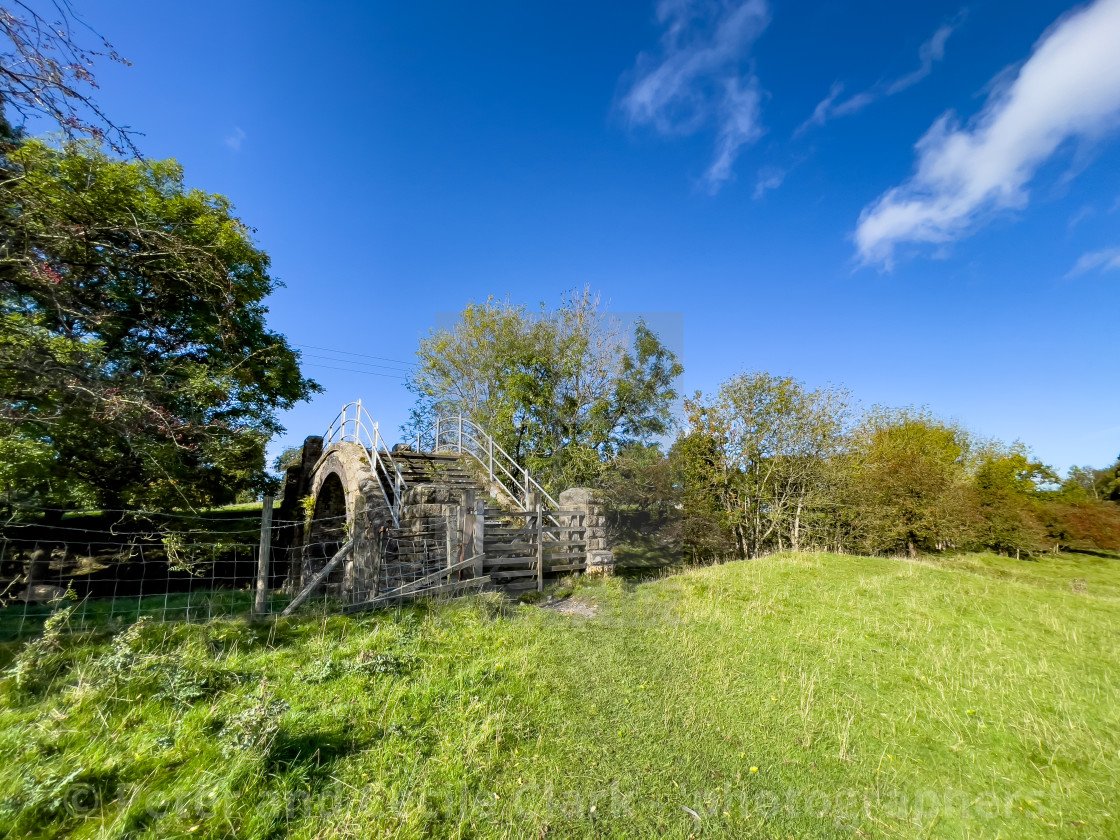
833 106
1107 259
1069 88
235 140
929 53
1086 212
701 76
769 178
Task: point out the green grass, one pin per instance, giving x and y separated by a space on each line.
807 696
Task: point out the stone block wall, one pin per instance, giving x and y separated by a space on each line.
591 515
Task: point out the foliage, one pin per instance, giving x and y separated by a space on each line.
759 452
1007 492
136 368
907 482
562 391
642 500
769 464
1088 484
807 695
1081 525
292 456
41 658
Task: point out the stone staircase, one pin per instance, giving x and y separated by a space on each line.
440 486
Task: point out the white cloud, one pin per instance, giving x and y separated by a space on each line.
832 106
769 178
1107 259
1069 88
235 140
700 77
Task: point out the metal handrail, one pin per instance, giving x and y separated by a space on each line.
456 433
354 425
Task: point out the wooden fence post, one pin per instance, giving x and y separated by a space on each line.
260 603
479 535
450 543
540 547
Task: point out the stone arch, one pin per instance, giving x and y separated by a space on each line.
348 504
328 521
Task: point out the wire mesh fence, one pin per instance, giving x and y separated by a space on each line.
109 568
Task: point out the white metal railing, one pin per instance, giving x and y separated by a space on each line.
462 435
447 434
353 424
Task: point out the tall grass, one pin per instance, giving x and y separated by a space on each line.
804 696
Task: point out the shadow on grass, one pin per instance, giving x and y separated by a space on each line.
645 558
313 749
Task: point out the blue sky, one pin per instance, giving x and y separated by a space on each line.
918 201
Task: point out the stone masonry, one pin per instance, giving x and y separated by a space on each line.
591 517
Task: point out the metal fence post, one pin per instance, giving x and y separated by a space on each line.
260 603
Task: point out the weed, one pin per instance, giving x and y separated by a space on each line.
42 658
255 726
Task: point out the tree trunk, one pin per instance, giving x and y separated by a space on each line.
796 536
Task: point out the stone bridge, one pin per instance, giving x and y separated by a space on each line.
449 512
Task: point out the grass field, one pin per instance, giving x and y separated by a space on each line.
794 696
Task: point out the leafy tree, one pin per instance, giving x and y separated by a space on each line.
1006 487
908 482
1081 525
562 391
1109 483
771 439
707 483
641 497
291 456
136 368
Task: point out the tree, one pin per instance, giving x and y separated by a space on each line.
765 442
136 368
1006 487
45 71
908 484
562 391
642 500
707 483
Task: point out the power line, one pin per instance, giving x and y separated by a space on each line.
352 370
355 362
351 353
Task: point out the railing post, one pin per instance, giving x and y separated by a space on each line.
460 434
435 443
